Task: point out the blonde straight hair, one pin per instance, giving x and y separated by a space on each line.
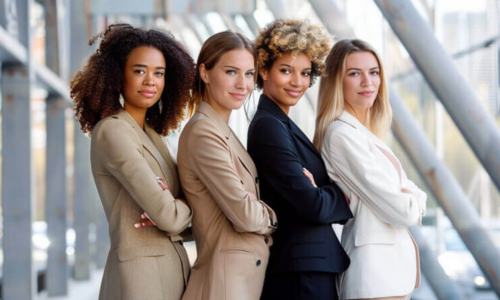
331 96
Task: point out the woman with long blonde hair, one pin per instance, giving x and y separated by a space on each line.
354 114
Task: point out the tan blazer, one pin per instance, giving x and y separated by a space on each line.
150 262
230 228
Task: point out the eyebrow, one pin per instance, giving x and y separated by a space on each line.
358 69
236 68
289 66
144 66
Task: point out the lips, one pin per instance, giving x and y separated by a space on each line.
148 94
293 93
366 93
238 96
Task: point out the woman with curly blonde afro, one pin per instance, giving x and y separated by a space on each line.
306 255
133 168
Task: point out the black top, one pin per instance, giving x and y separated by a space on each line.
304 240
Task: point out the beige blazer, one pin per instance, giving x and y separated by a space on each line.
384 202
150 262
230 228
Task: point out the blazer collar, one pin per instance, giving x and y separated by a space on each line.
351 120
213 115
267 104
150 138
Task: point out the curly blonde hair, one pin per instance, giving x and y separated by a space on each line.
292 36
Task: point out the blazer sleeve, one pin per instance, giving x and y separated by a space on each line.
278 163
210 158
358 168
121 156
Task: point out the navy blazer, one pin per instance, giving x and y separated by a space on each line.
304 240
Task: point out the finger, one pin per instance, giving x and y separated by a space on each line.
147 217
144 216
144 224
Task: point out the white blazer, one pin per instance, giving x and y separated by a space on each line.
384 256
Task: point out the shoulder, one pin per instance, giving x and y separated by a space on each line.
112 125
341 135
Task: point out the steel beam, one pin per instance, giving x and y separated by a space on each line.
447 191
79 49
56 202
55 178
333 18
18 280
441 284
471 118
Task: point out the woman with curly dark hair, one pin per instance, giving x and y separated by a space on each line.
306 255
132 166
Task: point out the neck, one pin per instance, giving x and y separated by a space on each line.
359 113
224 112
284 108
139 114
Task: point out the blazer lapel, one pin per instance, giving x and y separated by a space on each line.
267 104
156 149
350 119
233 141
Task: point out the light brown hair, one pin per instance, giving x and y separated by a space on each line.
211 52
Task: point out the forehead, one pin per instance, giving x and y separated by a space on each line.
299 61
145 55
240 58
361 60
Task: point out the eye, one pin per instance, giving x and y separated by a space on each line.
375 72
354 73
306 73
285 71
139 71
159 74
249 74
230 72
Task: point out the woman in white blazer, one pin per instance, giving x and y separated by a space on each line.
353 115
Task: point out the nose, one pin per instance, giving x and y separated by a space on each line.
366 80
295 79
240 82
149 79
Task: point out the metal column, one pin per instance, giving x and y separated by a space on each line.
447 192
18 276
79 49
334 19
476 125
56 183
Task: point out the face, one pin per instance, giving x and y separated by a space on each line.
361 81
287 79
230 80
143 79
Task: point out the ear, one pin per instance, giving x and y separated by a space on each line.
264 73
204 73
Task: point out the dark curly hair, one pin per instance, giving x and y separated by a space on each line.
96 88
292 36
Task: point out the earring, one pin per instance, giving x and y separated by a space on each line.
160 105
121 100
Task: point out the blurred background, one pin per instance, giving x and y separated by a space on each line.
441 58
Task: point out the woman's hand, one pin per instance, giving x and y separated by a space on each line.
309 176
147 222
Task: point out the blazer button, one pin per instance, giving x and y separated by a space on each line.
266 240
256 179
258 262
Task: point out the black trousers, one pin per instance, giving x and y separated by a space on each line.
300 286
